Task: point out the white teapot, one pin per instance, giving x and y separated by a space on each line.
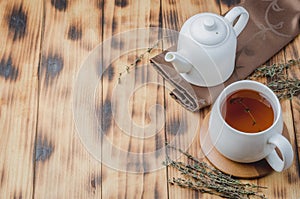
207 45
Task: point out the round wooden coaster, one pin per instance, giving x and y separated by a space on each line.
241 170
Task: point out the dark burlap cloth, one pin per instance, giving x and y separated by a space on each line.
272 25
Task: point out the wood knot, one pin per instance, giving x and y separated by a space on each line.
43 150
93 183
60 5
17 23
110 73
117 43
177 126
121 3
229 3
2 177
74 33
114 25
7 70
53 66
107 116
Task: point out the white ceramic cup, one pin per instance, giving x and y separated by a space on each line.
251 147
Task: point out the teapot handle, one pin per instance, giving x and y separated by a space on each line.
242 21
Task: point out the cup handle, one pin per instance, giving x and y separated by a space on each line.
242 21
286 151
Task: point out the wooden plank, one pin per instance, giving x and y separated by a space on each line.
277 182
292 52
125 128
21 23
293 177
64 168
181 123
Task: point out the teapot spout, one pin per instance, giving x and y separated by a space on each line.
179 62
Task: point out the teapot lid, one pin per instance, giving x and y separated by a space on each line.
208 29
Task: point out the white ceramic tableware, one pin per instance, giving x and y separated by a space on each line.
251 147
206 47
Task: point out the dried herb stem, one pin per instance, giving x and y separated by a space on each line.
211 168
274 70
133 65
204 178
246 108
187 183
284 88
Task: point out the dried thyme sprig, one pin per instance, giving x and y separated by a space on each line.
213 169
133 65
204 178
246 108
274 70
187 183
284 88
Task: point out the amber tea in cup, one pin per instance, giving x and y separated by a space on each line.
246 125
248 111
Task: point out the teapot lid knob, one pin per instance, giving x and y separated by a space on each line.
209 23
209 29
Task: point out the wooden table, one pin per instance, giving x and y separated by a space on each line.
43 44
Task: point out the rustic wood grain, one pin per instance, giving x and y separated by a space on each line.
292 52
44 43
64 168
21 23
122 130
174 14
293 176
277 182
